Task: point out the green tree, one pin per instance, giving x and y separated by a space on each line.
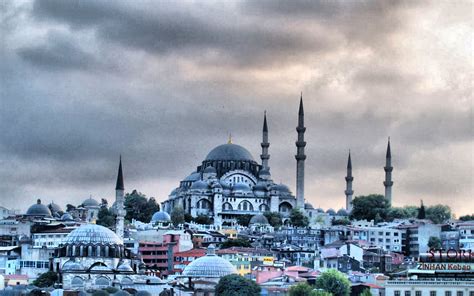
334 282
188 217
343 221
236 285
298 219
100 293
421 211
367 207
105 217
177 215
138 207
467 217
244 220
301 289
438 213
434 242
366 292
274 218
238 242
202 219
46 279
402 213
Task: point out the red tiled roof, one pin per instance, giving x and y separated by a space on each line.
191 253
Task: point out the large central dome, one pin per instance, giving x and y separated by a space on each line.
229 152
92 234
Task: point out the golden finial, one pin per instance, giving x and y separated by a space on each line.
230 139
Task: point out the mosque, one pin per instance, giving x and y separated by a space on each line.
229 182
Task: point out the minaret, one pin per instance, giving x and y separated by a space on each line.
349 192
119 202
388 173
265 144
300 157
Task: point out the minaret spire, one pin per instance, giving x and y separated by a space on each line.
265 144
349 192
119 202
388 173
300 157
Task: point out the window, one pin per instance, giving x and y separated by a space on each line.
447 293
396 293
432 293
407 293
417 293
459 293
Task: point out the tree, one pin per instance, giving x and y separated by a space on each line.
334 282
70 208
46 279
105 217
467 217
367 207
274 218
104 202
434 243
421 211
177 215
244 220
236 285
301 289
406 212
202 219
438 213
188 217
298 219
238 242
366 292
140 208
343 221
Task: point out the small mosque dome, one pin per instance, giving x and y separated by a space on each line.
241 187
194 176
320 210
90 203
260 187
281 187
200 185
92 234
55 208
308 206
143 293
259 219
39 209
342 212
160 217
67 217
331 212
209 266
230 152
125 267
210 170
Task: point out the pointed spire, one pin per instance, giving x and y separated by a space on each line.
119 185
389 153
265 126
349 162
301 111
230 139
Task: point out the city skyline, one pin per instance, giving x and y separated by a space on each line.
163 84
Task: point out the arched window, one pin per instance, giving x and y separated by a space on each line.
263 208
102 282
245 206
227 207
285 207
77 282
204 204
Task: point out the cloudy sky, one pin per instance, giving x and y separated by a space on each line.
163 82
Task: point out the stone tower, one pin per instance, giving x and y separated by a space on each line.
388 174
119 202
300 157
349 192
265 144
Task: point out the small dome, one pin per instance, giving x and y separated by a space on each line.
225 185
230 152
241 187
210 170
201 185
143 293
209 266
308 206
174 191
281 187
342 212
72 265
331 212
161 217
125 267
92 234
55 208
216 185
67 217
260 187
194 176
38 209
319 210
101 267
90 203
259 219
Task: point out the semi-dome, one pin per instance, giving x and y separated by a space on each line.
38 209
342 212
260 186
201 185
209 266
55 208
72 265
241 187
160 217
67 217
259 219
92 234
331 212
229 152
194 176
90 202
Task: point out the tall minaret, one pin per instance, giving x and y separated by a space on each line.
265 144
349 192
119 202
388 173
300 157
